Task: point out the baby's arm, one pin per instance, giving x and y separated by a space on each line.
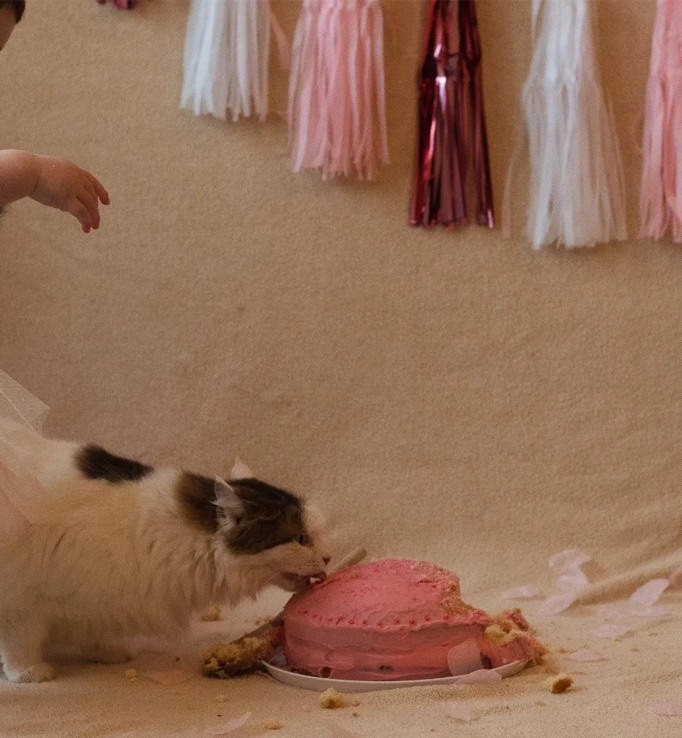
51 181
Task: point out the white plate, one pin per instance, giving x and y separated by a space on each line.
320 684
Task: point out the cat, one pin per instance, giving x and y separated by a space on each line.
123 549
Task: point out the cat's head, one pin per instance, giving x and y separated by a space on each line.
273 533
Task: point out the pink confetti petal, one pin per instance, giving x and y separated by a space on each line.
229 726
669 708
611 613
556 604
611 630
482 676
653 611
524 592
458 711
585 654
566 561
574 579
169 678
464 658
649 593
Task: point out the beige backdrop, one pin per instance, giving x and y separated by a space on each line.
449 396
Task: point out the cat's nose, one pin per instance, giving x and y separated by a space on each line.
326 559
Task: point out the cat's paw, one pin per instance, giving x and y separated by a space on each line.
108 655
40 672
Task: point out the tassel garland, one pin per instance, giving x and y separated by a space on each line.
661 187
336 111
576 195
227 50
451 120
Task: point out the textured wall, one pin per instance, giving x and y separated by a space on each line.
435 390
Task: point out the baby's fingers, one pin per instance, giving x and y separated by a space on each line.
90 201
99 189
79 211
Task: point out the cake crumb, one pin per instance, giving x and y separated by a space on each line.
356 714
273 725
222 698
560 684
229 659
211 615
130 674
634 648
561 649
331 699
355 703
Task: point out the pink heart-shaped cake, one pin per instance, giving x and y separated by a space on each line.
398 619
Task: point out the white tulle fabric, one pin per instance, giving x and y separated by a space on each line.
576 195
227 50
337 99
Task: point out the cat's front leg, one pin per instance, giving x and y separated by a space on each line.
21 648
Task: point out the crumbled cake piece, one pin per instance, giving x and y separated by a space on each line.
222 698
498 635
356 714
331 699
211 615
273 725
130 674
355 703
228 659
560 683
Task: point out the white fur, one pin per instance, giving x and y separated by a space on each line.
109 562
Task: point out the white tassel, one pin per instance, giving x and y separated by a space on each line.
227 50
576 193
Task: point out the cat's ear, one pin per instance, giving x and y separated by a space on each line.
228 500
240 471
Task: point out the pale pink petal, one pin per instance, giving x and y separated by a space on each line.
611 630
556 604
611 613
572 580
676 578
585 654
653 611
229 726
670 708
565 561
464 658
649 593
482 676
458 711
169 678
524 592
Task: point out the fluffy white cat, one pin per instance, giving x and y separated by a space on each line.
120 549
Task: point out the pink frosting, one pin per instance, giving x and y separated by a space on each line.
386 620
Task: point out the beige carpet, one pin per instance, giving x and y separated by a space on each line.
447 396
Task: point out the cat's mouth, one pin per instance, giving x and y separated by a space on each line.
299 582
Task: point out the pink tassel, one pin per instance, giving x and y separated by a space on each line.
661 188
451 119
336 113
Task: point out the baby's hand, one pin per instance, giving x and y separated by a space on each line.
62 185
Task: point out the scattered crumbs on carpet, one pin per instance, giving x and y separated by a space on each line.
131 674
273 725
355 703
262 621
561 649
560 684
331 699
211 615
355 714
222 698
634 648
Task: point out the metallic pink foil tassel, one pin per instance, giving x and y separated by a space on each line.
451 119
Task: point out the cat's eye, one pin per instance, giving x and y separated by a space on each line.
303 539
